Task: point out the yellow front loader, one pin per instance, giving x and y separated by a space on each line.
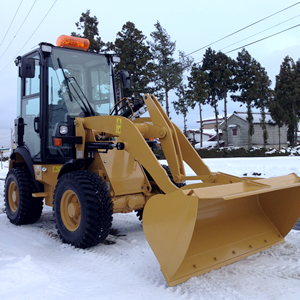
87 155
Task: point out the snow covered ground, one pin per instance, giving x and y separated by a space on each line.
34 264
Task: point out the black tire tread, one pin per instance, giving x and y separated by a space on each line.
167 169
139 213
29 208
97 221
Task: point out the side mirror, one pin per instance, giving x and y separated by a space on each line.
27 69
115 59
125 78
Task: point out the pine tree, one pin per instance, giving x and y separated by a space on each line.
278 114
181 105
89 27
263 98
246 79
135 56
168 72
198 90
296 73
210 65
227 69
287 96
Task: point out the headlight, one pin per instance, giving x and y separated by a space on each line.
63 130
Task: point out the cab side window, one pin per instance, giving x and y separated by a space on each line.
32 85
30 110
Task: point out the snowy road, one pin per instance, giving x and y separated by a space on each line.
34 264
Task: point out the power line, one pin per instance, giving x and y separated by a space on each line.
259 32
263 39
19 29
243 28
37 27
258 40
11 23
30 36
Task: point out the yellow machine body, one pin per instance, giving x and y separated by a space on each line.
198 227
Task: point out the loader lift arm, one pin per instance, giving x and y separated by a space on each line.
133 134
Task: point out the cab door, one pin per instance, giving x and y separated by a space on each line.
30 108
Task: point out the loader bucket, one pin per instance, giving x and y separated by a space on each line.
193 231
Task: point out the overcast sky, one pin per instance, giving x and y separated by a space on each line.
193 24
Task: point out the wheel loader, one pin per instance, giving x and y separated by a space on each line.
84 150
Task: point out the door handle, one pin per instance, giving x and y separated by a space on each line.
36 124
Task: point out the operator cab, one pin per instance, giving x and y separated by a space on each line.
57 84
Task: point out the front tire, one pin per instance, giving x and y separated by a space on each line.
82 209
21 208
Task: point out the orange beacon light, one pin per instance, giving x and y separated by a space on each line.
72 42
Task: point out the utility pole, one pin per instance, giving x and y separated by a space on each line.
12 140
1 157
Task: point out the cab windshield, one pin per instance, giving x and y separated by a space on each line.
80 84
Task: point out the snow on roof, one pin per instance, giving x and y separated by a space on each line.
206 144
256 116
191 130
210 132
212 120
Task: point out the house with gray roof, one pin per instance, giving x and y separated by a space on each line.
238 131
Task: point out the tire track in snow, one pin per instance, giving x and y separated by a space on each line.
284 266
121 256
127 243
266 268
102 259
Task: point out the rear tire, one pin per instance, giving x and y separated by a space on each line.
21 208
82 209
167 169
139 213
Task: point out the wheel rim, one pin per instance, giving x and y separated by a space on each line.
13 196
70 210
